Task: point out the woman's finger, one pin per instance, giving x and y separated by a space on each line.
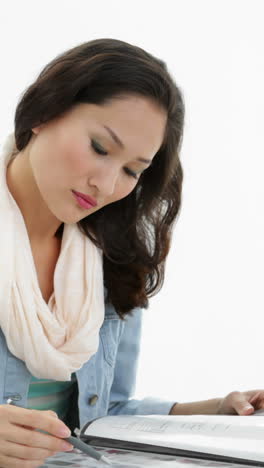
254 397
11 449
36 439
241 404
12 462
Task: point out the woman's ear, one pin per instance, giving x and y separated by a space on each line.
36 130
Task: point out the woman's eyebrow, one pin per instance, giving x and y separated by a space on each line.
121 144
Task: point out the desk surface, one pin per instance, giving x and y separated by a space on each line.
129 459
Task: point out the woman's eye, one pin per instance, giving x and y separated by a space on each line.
98 149
131 173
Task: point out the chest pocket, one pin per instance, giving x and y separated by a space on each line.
110 333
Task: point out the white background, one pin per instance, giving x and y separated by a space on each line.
203 333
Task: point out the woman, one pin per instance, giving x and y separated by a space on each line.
91 186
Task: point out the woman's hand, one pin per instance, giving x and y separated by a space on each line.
21 445
242 403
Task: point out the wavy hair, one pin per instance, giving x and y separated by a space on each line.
134 233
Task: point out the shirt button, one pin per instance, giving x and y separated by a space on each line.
93 400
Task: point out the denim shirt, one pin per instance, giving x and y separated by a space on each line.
105 384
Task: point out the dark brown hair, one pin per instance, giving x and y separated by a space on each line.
134 233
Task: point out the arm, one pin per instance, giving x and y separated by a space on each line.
197 407
124 383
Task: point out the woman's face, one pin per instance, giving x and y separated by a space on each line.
76 152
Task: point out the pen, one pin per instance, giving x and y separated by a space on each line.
79 444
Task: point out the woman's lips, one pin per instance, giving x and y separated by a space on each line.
85 201
89 199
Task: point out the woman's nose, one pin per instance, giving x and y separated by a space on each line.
105 181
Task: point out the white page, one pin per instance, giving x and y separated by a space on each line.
236 436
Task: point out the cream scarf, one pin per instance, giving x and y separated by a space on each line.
56 339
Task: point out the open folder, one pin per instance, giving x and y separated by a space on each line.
236 439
